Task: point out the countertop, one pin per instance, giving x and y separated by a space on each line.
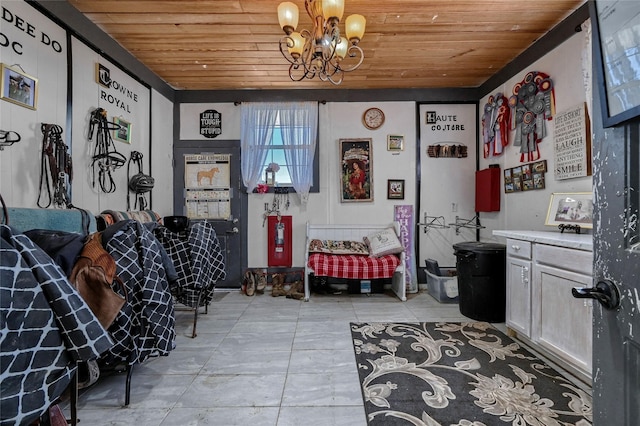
568 240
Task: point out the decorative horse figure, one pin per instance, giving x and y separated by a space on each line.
207 174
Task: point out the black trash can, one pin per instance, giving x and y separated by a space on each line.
481 280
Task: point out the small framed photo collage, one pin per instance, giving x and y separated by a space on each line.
526 177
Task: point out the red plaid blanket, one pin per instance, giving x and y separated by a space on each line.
353 267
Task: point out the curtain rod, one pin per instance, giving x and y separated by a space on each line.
236 103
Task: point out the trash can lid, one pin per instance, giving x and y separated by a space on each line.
479 247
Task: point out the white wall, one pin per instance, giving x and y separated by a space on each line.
36 46
162 154
337 120
447 184
39 47
527 210
128 100
444 181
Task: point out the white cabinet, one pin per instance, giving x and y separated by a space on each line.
561 323
542 268
518 306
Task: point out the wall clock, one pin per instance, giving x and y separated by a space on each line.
373 118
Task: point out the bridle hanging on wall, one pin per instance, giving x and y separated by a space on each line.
139 183
105 157
56 169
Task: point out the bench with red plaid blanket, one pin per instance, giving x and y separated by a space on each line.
352 266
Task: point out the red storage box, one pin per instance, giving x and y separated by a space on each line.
488 190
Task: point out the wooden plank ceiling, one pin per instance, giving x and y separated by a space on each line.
233 44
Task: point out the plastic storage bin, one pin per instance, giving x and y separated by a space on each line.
444 287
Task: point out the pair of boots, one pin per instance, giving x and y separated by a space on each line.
254 282
296 290
277 288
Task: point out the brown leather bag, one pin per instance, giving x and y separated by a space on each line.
93 275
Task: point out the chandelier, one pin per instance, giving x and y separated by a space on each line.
321 52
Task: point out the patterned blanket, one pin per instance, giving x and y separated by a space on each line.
198 260
353 267
145 325
45 328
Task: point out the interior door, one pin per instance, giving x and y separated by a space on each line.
616 332
208 186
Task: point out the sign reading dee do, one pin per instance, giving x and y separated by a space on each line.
210 123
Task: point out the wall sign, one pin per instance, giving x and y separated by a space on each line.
572 145
115 92
207 186
210 123
404 216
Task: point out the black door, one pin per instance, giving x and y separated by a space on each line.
616 332
208 186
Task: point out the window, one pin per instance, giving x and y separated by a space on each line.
275 155
281 138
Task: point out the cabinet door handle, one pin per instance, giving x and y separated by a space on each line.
523 277
515 247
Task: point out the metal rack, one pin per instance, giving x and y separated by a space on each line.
433 222
467 223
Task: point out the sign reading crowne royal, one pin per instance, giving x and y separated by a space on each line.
118 94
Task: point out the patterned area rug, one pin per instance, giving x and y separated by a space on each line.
466 374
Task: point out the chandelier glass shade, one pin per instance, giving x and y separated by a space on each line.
321 51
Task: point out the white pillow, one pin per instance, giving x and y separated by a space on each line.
383 242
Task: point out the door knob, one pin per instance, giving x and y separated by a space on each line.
233 230
605 292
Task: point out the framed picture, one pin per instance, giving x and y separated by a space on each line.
19 87
395 189
356 169
538 181
123 134
507 176
395 143
613 22
571 209
539 166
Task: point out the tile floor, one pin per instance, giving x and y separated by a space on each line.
257 361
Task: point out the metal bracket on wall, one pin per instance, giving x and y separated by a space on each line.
433 222
467 223
8 138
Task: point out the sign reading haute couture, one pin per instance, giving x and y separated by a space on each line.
443 122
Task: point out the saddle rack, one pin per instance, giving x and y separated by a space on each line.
467 223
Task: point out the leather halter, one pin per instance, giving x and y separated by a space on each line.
105 157
56 169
